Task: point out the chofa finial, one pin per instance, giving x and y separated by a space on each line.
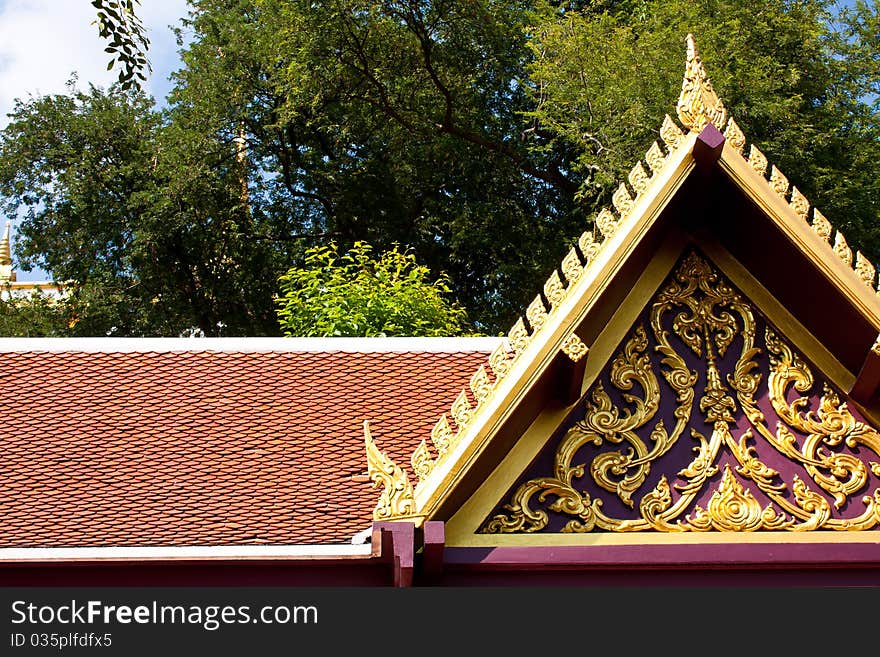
396 499
698 103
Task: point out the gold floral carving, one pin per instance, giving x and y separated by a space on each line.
571 266
670 133
622 201
842 250
518 336
734 509
655 158
757 160
711 320
799 203
606 222
574 348
639 179
587 242
396 499
441 435
554 289
821 226
734 136
500 360
778 181
698 103
865 270
421 461
461 410
481 385
536 313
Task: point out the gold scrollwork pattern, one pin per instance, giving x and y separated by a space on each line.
723 368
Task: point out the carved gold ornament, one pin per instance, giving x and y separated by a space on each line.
703 347
655 158
865 270
500 360
698 103
842 250
536 313
778 181
799 204
396 499
757 160
589 245
518 336
639 179
670 133
441 435
574 348
421 461
481 384
821 226
571 266
554 289
734 136
606 222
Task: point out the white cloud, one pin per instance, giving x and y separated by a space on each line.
43 41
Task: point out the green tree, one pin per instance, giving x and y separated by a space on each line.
355 294
141 214
36 315
389 123
795 75
127 41
481 135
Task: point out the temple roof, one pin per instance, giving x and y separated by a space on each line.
698 187
195 442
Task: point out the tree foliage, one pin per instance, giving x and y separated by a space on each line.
34 316
481 136
127 41
355 294
793 74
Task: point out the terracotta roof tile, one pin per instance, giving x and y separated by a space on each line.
207 448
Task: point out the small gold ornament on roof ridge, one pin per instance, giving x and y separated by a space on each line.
698 103
396 499
421 461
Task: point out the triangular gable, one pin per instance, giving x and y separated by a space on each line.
619 352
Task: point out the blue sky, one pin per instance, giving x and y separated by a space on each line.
43 41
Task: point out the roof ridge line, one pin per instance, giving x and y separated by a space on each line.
250 345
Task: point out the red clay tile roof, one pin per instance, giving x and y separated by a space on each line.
207 447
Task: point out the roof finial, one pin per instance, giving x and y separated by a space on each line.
396 500
6 273
698 103
5 248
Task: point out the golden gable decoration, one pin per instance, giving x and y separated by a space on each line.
707 317
698 105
